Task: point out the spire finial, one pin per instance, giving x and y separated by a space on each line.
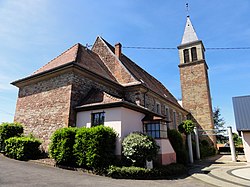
187 9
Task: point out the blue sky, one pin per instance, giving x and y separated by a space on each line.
33 32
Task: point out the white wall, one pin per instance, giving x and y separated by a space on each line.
121 119
131 121
246 144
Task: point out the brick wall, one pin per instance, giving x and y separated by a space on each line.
44 107
196 94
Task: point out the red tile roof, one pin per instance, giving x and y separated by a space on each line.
91 60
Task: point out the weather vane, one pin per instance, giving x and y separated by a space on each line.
187 9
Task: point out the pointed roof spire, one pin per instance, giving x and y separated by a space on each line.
189 33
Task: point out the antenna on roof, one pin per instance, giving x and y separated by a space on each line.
187 9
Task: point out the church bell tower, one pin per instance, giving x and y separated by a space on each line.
194 80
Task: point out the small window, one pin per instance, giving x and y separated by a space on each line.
174 119
156 129
180 118
167 113
158 108
186 55
194 53
97 119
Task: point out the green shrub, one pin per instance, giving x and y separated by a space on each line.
8 130
139 147
95 147
22 148
176 141
163 172
206 149
186 127
61 146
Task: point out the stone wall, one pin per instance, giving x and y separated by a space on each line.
112 62
196 94
44 106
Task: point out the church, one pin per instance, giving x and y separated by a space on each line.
102 86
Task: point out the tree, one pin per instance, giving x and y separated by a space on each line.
218 120
219 123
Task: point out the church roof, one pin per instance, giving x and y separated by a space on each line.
92 60
189 33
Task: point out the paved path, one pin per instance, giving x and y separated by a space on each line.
221 171
15 173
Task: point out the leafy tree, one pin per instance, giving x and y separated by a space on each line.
219 124
237 140
218 120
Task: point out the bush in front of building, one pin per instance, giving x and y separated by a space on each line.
139 147
176 141
61 146
95 147
206 149
8 130
22 148
164 172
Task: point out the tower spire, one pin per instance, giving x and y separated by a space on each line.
189 33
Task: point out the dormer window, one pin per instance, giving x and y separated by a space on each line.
186 55
194 53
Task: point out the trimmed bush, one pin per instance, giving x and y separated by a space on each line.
139 147
95 147
22 148
206 149
163 172
176 141
61 146
8 130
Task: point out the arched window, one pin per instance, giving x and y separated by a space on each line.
186 55
194 53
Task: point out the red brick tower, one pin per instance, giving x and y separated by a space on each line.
194 80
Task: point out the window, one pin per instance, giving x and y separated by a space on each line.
180 118
174 119
167 113
158 107
186 55
193 53
97 119
156 129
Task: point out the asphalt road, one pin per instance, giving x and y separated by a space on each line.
19 173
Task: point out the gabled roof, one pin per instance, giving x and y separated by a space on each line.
241 107
189 33
83 57
144 77
101 59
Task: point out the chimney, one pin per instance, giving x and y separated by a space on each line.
118 50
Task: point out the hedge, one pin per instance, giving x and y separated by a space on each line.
61 146
8 130
176 141
94 147
163 172
85 147
22 148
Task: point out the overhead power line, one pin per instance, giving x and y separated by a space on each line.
174 48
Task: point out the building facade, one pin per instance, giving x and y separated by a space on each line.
101 86
196 97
